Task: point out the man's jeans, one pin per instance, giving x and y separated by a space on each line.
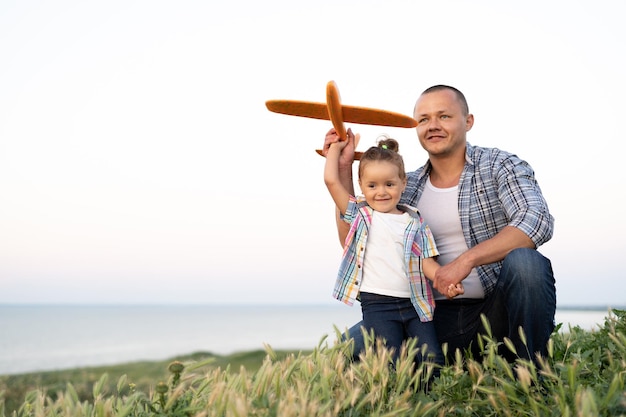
525 296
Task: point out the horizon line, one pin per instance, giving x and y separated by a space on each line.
591 307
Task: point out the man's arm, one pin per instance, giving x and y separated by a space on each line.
530 223
489 251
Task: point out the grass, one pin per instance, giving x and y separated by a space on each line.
583 375
143 374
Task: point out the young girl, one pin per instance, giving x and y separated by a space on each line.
388 252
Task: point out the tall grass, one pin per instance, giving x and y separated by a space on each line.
583 375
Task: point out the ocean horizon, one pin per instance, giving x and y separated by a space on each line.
38 338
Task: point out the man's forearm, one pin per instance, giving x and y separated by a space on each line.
496 248
489 251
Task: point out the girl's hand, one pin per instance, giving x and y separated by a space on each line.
454 290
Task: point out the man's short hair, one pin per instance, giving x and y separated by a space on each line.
459 95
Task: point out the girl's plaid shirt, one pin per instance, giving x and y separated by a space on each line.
418 244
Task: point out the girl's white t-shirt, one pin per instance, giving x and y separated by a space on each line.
384 271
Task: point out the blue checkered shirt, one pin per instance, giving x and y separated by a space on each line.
496 189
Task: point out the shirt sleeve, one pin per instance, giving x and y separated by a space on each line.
351 211
523 201
429 249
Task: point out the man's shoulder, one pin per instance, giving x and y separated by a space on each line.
477 153
496 162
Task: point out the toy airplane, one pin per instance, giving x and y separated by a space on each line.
337 113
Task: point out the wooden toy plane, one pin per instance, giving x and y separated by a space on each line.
337 113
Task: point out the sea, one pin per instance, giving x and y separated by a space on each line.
38 338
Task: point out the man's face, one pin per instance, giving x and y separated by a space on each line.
441 124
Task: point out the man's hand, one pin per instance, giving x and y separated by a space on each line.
486 252
347 153
449 276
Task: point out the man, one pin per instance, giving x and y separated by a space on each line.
488 217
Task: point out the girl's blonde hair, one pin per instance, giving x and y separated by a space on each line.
386 150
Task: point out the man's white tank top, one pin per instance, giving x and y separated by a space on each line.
439 208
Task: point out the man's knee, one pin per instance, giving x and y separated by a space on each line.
527 264
525 258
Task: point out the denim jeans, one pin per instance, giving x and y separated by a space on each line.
395 320
525 295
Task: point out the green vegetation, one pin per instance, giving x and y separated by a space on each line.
583 375
141 374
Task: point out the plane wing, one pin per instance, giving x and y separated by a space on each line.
351 114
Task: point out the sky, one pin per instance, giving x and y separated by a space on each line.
139 164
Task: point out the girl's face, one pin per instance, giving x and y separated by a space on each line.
382 186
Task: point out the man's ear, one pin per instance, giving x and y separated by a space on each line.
469 122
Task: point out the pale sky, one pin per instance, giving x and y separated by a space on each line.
138 163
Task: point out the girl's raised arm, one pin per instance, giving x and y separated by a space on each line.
337 190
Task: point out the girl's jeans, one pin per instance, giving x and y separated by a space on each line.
395 320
